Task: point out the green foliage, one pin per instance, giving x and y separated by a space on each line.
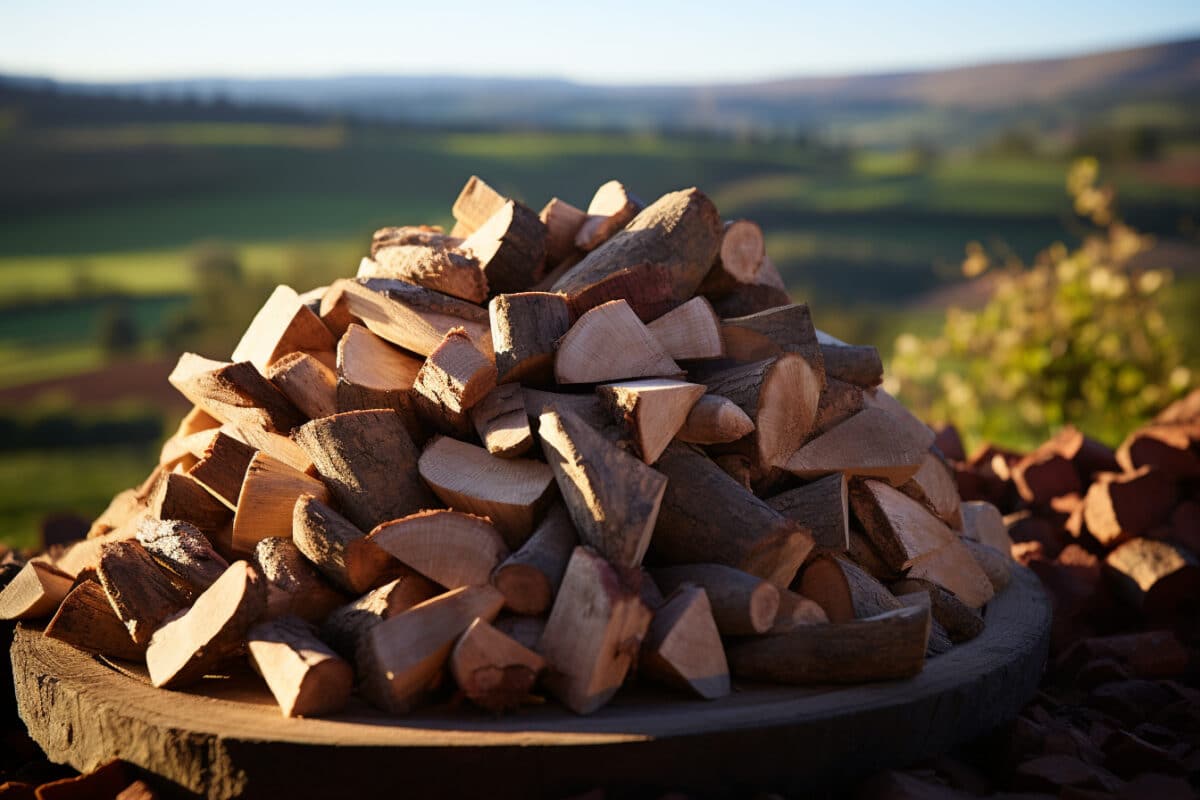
1077 337
118 331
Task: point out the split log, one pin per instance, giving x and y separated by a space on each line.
235 393
452 380
656 262
750 298
402 659
530 577
962 623
613 498
510 248
442 269
180 453
588 407
1118 507
839 402
448 547
939 639
715 420
305 676
765 334
121 510
192 644
952 567
888 646
36 591
475 204
1159 578
512 492
273 444
707 517
843 590
690 331
795 611
823 507
683 647
372 374
610 343
222 468
141 593
739 259
867 444
338 549
86 620
293 585
983 523
346 627
904 420
308 383
934 486
1171 449
594 632
860 365
369 463
525 329
864 554
611 209
525 630
996 565
177 496
741 604
1044 475
492 670
183 552
562 221
501 421
427 235
650 411
268 498
84 555
283 325
899 527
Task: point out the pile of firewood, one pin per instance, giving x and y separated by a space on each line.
392 481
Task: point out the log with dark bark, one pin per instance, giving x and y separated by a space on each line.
525 329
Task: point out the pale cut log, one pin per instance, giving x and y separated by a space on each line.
35 592
996 565
475 204
867 445
962 623
934 485
888 646
236 393
843 590
141 593
338 549
191 644
501 421
444 270
764 334
707 517
120 511
525 630
84 555
403 658
293 585
904 419
611 208
305 676
683 646
983 523
715 420
222 468
530 577
1171 449
273 444
493 670
610 343
796 610
369 463
899 527
823 507
691 331
510 248
448 547
346 627
427 235
184 450
562 221
183 552
525 329
952 567
839 402
781 396
309 383
86 620
268 498
739 260
512 492
452 380
283 325
864 554
1157 577
1118 507
860 365
650 411
372 374
594 632
613 498
195 421
741 604
408 315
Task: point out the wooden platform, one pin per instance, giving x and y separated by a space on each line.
227 739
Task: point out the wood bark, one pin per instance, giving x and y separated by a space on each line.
839 402
494 671
86 620
997 566
860 365
427 235
823 507
1171 449
530 577
935 487
283 325
780 329
439 268
183 552
1160 578
178 496
293 585
749 298
452 380
222 468
795 611
450 548
141 593
337 548
610 343
683 649
234 393
305 676
510 248
611 208
844 590
952 567
525 329
346 627
739 259
983 523
741 604
501 421
307 382
962 623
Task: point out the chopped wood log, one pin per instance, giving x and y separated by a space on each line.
1119 507
141 593
427 235
939 640
867 444
283 325
307 382
195 421
1172 449
739 467
795 611
860 365
594 632
475 204
962 623
273 444
949 443
222 468
781 396
611 208
235 393
86 620
750 298
510 248
683 647
651 410
715 420
995 564
741 604
83 556
178 496
448 547
823 507
121 511
952 567
372 374
609 343
183 552
765 334
656 262
899 527
182 453
268 498
707 517
493 671
1044 475
347 626
562 221
934 486
864 554
526 631
512 492
839 402
530 577
1160 578
613 498
439 268
588 407
338 549
408 315
305 676
739 260
843 590
190 645
35 592
452 380
501 421
402 659
904 419
888 646
293 585
983 523
369 463
691 331
525 329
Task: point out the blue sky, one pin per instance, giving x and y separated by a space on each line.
610 41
